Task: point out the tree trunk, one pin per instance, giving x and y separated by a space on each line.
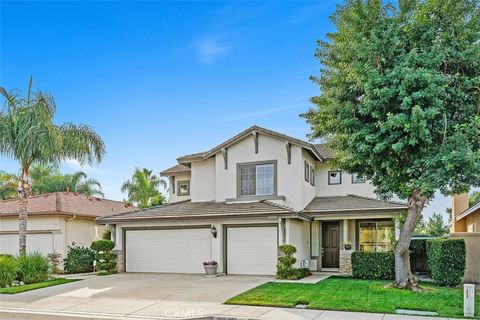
24 190
403 274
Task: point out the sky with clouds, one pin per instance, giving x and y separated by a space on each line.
161 79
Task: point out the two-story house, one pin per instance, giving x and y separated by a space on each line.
237 202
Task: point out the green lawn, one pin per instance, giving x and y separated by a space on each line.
348 294
33 286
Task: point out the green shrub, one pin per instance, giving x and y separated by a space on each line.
106 260
102 245
446 260
300 273
373 265
79 259
33 268
107 234
285 269
8 270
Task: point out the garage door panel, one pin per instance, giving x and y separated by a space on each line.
41 243
172 250
251 250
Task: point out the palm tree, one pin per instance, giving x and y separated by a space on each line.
28 134
46 179
143 188
8 185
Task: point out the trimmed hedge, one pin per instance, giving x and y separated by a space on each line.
373 265
106 260
446 260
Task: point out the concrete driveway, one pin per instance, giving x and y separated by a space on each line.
164 295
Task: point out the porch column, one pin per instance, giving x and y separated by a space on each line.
345 231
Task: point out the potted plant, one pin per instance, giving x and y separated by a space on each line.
210 268
347 244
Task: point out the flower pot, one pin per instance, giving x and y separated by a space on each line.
348 247
210 269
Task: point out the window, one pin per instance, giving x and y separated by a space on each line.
334 177
376 235
356 178
257 179
312 176
307 171
315 239
183 188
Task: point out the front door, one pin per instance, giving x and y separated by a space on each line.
330 239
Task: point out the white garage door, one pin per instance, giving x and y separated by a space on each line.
42 243
251 250
172 250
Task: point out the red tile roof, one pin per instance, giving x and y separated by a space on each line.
66 203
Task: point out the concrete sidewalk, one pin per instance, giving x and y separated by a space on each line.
111 308
163 296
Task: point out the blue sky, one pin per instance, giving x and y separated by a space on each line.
160 79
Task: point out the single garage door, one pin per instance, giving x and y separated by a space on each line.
167 250
41 243
252 250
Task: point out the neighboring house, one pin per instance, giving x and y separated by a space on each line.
466 224
55 221
238 201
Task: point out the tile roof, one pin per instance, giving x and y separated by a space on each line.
188 209
350 203
179 168
66 203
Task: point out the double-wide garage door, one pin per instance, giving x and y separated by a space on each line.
247 250
41 243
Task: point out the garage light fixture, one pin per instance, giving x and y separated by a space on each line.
214 231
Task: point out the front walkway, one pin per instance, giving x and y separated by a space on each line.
162 296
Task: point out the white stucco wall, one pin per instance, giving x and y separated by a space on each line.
82 232
288 175
323 189
298 235
308 191
202 184
174 197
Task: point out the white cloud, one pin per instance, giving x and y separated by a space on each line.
210 49
77 166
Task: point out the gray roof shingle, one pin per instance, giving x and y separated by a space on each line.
350 203
188 209
179 168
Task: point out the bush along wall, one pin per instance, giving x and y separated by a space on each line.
79 259
373 265
285 269
106 259
446 260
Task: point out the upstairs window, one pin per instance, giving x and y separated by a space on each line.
356 178
334 177
307 171
312 176
257 179
183 188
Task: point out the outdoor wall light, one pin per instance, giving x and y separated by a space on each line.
214 231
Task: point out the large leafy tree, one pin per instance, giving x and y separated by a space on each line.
474 198
400 101
436 226
143 188
29 135
46 179
8 185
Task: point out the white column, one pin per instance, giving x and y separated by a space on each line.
397 229
345 231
